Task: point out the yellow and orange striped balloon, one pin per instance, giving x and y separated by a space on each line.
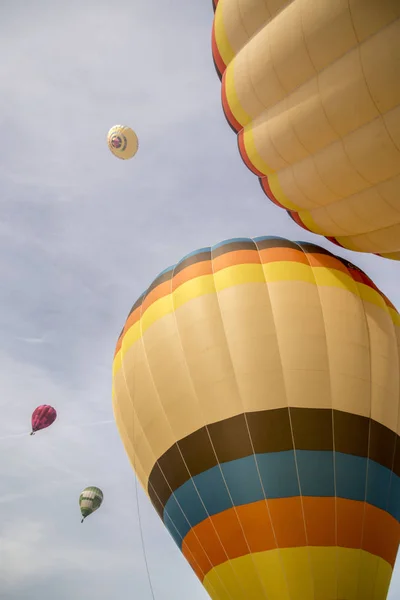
312 87
256 391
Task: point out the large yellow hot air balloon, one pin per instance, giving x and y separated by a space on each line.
312 87
256 391
122 141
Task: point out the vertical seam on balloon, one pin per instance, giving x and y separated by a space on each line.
339 136
348 235
361 551
247 427
165 511
381 115
266 500
395 439
333 422
178 447
136 458
176 442
128 442
298 476
212 445
291 430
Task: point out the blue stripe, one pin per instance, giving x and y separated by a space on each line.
230 241
279 479
261 238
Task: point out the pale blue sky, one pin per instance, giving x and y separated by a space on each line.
81 236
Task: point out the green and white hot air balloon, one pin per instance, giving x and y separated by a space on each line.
90 500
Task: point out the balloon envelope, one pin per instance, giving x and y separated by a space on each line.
312 89
90 500
256 391
122 141
43 416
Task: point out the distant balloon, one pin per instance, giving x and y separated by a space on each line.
43 416
90 500
122 141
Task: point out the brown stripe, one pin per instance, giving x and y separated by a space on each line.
232 247
160 279
277 243
137 304
270 431
192 260
310 248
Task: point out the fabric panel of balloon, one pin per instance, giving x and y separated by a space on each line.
312 87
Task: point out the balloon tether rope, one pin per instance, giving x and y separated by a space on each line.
139 518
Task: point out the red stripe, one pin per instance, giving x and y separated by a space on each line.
245 156
297 219
267 190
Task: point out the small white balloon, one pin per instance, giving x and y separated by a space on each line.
122 141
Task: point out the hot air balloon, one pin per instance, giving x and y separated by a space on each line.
256 391
89 501
43 416
312 89
122 141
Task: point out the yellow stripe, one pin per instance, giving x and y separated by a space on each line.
279 194
242 274
347 242
236 275
199 286
309 222
232 98
224 48
301 574
394 315
117 363
252 152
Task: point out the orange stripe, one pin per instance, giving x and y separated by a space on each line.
221 537
161 290
237 257
191 272
328 262
118 346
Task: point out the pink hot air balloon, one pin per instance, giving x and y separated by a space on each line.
42 417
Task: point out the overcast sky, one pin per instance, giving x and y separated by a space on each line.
82 234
